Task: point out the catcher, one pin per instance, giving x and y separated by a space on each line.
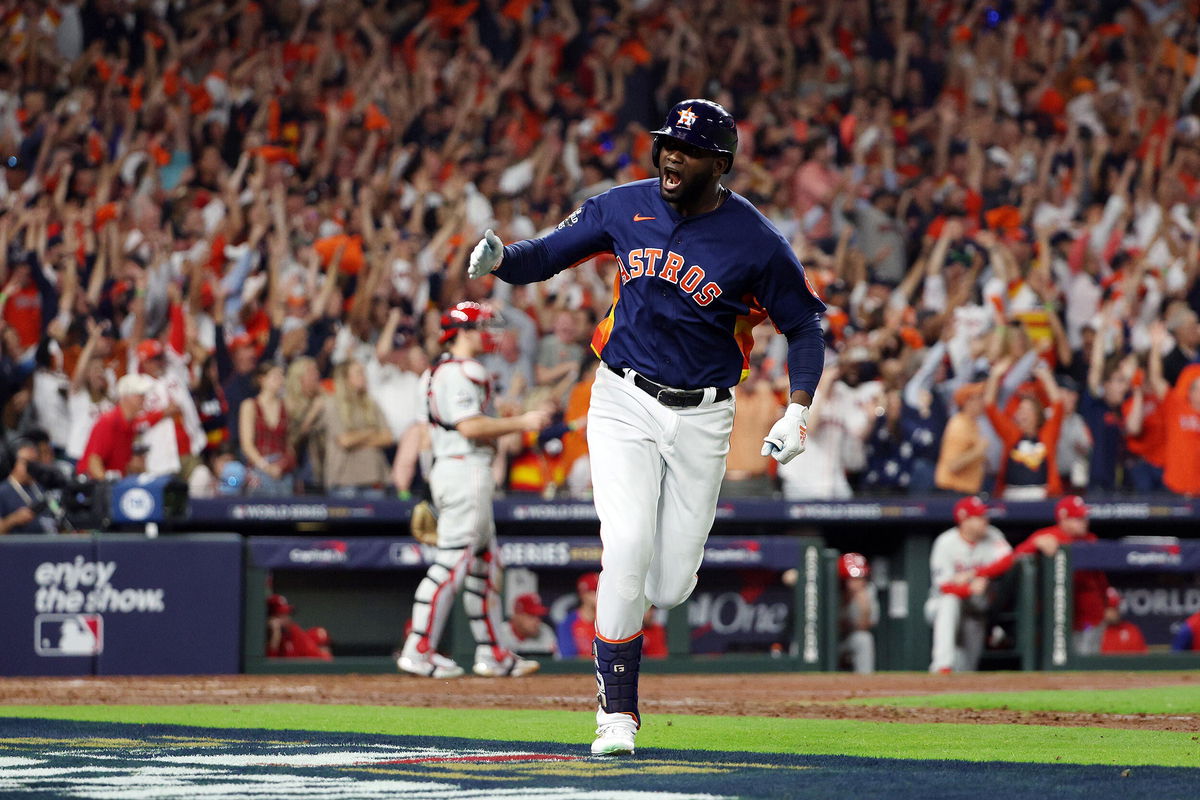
457 391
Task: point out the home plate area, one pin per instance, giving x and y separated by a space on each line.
157 762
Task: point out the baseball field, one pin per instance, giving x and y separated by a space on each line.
901 735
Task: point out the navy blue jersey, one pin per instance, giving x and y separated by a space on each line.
689 289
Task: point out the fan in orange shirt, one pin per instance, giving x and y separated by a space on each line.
1181 469
1146 420
1029 464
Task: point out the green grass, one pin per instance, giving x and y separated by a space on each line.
1156 700
1020 743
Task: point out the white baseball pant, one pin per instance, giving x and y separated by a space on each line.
656 473
958 631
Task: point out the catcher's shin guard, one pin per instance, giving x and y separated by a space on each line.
482 604
434 596
617 665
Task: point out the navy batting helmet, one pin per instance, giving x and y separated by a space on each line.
700 123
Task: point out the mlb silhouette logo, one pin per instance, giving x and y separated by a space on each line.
68 634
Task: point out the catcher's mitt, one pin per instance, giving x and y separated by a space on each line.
423 523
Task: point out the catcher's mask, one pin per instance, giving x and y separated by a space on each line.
472 316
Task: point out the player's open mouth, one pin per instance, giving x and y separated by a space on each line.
670 178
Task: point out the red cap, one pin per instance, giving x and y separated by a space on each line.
530 604
241 340
588 583
277 605
853 565
148 349
1072 507
970 507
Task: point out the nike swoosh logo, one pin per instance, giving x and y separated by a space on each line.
640 218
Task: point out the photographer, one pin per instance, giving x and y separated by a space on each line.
24 506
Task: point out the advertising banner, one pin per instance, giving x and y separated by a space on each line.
174 606
1165 556
1158 580
46 627
742 611
374 552
894 512
1158 603
120 605
741 605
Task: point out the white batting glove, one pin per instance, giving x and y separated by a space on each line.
787 436
486 256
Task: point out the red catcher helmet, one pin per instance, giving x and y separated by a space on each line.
853 565
469 316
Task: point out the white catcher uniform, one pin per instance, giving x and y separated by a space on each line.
461 484
956 616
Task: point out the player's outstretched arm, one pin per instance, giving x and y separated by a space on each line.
485 427
577 238
486 256
788 436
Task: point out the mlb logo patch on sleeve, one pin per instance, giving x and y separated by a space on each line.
68 634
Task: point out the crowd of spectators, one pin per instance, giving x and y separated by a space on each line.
262 206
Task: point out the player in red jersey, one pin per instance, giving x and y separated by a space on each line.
1093 595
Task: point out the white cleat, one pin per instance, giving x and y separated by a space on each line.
512 667
615 738
430 665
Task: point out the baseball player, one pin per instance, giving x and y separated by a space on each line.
577 630
859 614
526 632
958 597
698 267
1093 595
458 393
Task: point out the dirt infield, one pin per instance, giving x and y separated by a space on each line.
771 695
